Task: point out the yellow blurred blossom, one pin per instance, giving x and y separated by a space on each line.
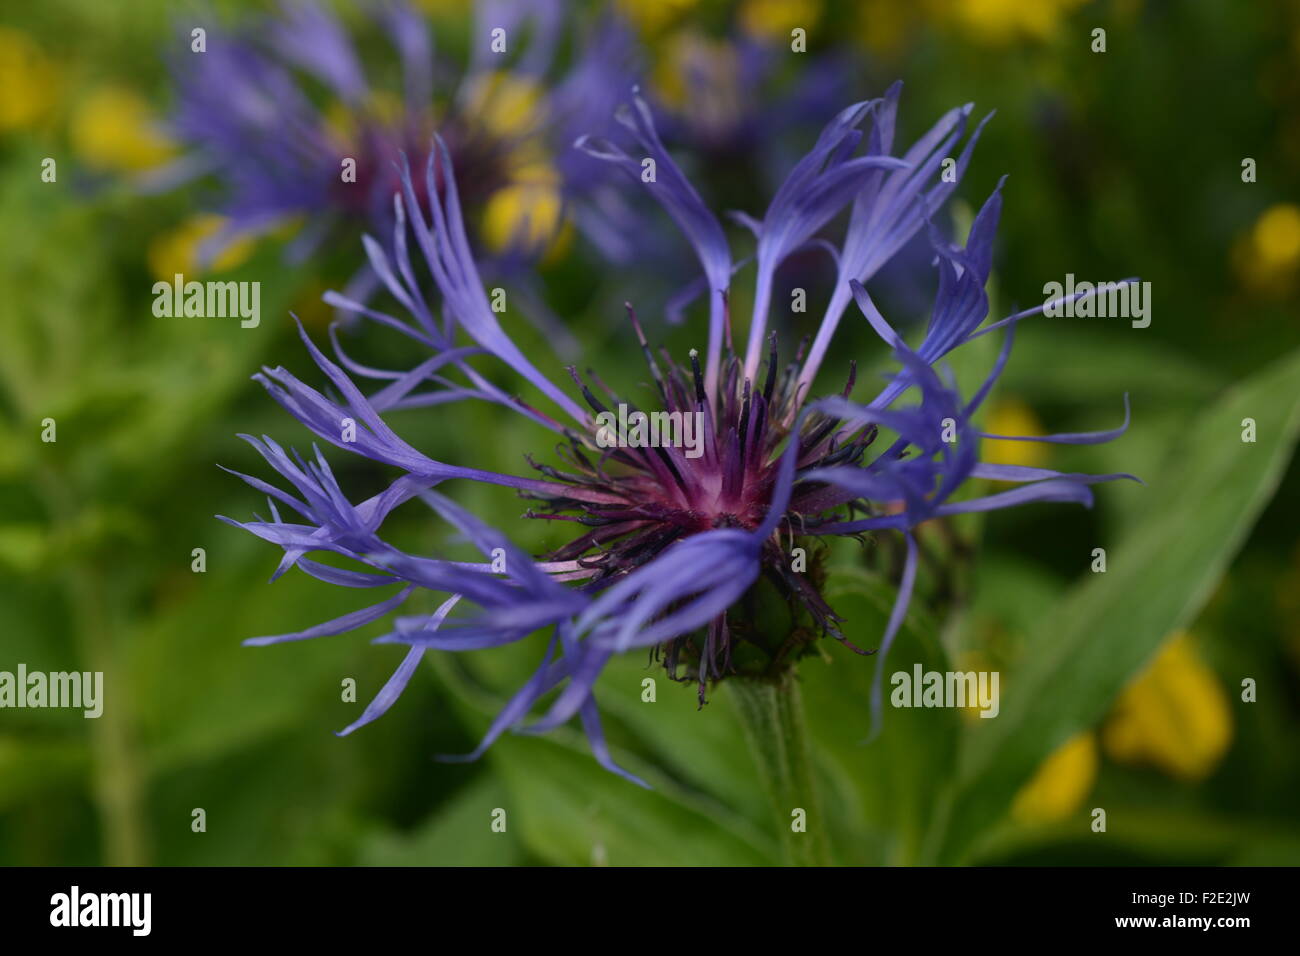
114 129
385 107
1010 416
651 16
1061 784
775 19
382 108
1268 257
177 252
526 214
979 662
505 105
1276 236
340 121
1007 21
1175 716
29 79
528 209
885 27
700 78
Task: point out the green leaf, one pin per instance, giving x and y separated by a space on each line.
30 765
702 747
458 834
199 693
571 811
1103 366
1148 836
1201 507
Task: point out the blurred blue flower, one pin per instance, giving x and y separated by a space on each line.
279 110
669 541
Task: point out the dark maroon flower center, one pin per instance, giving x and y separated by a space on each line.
481 163
636 496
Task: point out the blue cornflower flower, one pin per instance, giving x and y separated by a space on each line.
672 539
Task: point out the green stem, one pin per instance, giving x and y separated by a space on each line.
772 714
117 774
118 788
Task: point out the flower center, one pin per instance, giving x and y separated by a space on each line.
649 479
481 163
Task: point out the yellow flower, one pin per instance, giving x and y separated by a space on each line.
775 19
177 252
29 79
651 16
1276 236
386 107
381 107
507 106
525 213
1010 416
1175 716
1006 21
886 27
977 661
1268 257
712 98
113 129
1061 784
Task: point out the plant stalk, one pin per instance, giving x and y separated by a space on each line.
772 714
